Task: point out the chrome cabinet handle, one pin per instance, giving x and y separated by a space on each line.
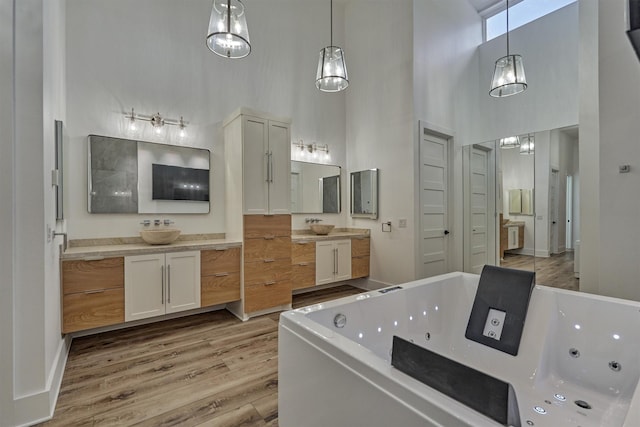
269 237
268 166
271 161
303 264
97 291
273 282
162 284
269 260
221 274
169 283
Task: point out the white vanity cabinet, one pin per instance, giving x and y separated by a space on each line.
160 284
260 146
333 261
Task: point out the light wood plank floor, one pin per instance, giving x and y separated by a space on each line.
204 370
555 271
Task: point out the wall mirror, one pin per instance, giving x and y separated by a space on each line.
521 208
315 188
364 194
127 176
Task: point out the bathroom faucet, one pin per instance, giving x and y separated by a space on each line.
168 222
156 222
146 222
312 220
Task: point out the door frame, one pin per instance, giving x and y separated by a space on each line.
452 184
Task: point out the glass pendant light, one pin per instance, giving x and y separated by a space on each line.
508 77
332 69
527 144
510 142
228 34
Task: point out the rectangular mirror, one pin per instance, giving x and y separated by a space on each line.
520 201
127 176
315 188
364 194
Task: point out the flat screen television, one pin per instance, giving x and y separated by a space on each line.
179 183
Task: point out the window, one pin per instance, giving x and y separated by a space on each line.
520 14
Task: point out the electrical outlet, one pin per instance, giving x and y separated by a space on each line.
494 324
402 223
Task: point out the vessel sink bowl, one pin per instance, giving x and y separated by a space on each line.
321 229
159 236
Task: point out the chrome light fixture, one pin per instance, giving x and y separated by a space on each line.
508 77
527 144
228 34
332 69
157 122
510 142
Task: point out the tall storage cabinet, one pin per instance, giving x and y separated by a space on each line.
258 207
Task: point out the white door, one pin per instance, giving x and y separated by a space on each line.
279 168
479 250
182 281
343 259
569 209
325 262
144 290
255 152
553 211
433 204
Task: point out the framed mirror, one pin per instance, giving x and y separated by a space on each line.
364 194
315 188
127 176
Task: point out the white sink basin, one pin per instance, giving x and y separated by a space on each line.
321 229
159 236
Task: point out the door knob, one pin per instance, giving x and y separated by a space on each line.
446 232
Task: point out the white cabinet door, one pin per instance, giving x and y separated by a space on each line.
183 281
343 259
161 283
144 286
512 237
280 168
333 261
256 165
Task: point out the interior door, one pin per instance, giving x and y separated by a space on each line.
553 210
433 204
479 222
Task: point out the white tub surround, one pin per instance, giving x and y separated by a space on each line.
578 363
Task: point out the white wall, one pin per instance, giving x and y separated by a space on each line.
549 48
619 206
379 133
120 55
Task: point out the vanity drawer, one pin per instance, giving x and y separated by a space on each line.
303 252
360 267
92 309
267 226
267 248
303 275
219 289
219 261
81 275
262 296
267 272
360 246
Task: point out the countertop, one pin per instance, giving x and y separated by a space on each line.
514 224
336 234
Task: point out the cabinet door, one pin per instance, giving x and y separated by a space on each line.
144 286
255 163
513 238
280 168
183 281
325 263
343 259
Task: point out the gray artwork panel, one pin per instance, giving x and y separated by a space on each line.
331 194
114 175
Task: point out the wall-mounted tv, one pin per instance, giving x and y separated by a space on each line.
179 183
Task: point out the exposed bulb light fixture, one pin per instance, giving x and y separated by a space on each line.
508 76
510 142
332 69
313 149
157 122
228 34
527 144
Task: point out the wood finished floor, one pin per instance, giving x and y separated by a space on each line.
555 271
204 370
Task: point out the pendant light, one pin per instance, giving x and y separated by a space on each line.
527 144
228 34
509 142
508 77
332 70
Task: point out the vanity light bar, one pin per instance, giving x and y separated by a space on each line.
312 148
156 120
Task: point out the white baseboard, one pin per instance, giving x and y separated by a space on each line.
38 407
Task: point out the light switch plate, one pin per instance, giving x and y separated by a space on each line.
494 324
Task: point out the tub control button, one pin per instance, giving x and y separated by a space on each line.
494 324
340 320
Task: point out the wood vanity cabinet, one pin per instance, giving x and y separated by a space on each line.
360 257
219 276
303 264
267 262
92 293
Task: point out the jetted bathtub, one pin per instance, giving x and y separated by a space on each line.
578 363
